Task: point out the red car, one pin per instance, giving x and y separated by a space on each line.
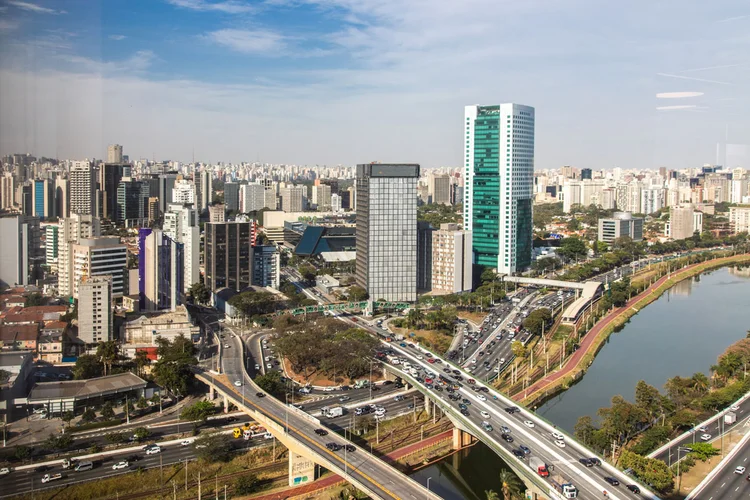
431 361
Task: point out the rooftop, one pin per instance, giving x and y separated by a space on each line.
82 389
18 333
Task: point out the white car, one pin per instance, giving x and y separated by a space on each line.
238 383
557 436
703 429
739 470
153 450
419 357
121 465
735 408
226 346
529 424
484 414
705 437
481 398
329 389
4 471
560 444
186 442
268 366
502 360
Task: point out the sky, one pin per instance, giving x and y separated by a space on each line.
638 84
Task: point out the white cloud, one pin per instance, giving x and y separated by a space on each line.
32 7
138 62
676 108
227 6
262 42
117 37
677 95
682 77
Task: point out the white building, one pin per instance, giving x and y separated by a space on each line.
451 260
163 268
82 187
321 197
114 153
72 230
206 189
739 218
292 198
102 256
181 224
652 200
336 203
183 192
252 198
95 309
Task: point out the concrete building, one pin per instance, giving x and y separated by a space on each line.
269 198
181 223
166 188
266 266
140 331
232 196
619 225
82 188
683 222
132 202
102 256
217 213
6 191
336 203
228 255
252 198
62 198
739 219
183 192
440 189
424 256
110 175
161 269
387 230
72 229
652 200
20 367
43 199
451 260
17 244
95 317
51 245
206 190
499 183
114 153
292 198
321 197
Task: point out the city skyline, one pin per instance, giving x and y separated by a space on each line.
289 82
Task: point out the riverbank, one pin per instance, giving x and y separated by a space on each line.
577 365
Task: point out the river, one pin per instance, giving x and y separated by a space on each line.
682 332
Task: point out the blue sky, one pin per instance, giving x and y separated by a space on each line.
645 84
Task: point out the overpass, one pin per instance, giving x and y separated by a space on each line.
545 282
296 430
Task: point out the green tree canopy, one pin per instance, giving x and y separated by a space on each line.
173 368
213 447
649 470
252 303
537 319
200 293
271 383
572 248
198 411
87 366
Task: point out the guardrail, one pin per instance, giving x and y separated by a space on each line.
719 467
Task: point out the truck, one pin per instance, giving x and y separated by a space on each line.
563 487
539 466
51 477
730 418
361 384
67 463
333 411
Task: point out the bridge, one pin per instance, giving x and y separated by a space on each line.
345 306
296 430
547 282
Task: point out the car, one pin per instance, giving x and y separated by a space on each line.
257 366
635 489
260 394
611 480
529 424
487 426
419 357
4 471
132 458
518 453
464 412
597 462
481 398
349 447
739 470
238 383
507 438
226 346
735 408
557 436
269 366
505 429
333 446
703 429
321 432
123 464
512 409
153 450
344 398
42 468
398 398
705 437
586 462
560 444
329 389
525 449
484 414
186 442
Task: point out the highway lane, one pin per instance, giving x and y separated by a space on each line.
383 480
729 484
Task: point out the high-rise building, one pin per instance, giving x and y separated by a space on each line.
739 219
451 260
336 203
42 199
499 184
217 213
206 190
266 266
132 200
619 225
110 175
424 256
252 198
652 200
153 209
183 192
228 255
440 189
72 230
62 198
51 244
95 316
292 198
321 197
166 186
114 153
102 256
386 264
232 196
82 188
161 267
269 198
585 174
181 223
6 191
16 242
682 222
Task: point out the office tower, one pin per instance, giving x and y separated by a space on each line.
217 213
24 199
232 196
424 256
51 244
166 186
619 225
42 199
228 255
451 260
15 250
386 264
499 181
95 316
82 188
683 222
269 198
153 209
206 189
568 172
652 200
739 219
439 189
292 198
110 175
183 192
181 223
346 200
132 202
72 229
739 190
585 174
352 197
114 153
336 203
102 256
321 197
252 198
6 191
161 269
266 266
62 198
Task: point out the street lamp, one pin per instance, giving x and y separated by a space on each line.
428 483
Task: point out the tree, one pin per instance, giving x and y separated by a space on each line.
511 484
129 407
307 272
60 442
703 451
574 224
88 416
648 398
108 413
247 484
141 433
213 447
115 437
142 403
200 293
199 411
35 299
68 417
253 303
87 366
173 368
271 383
357 293
649 470
107 353
572 248
22 452
141 361
538 319
491 495
518 349
621 420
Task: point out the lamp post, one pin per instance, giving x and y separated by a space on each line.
428 483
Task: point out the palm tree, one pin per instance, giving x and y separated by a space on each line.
141 360
700 382
107 354
511 484
491 495
415 318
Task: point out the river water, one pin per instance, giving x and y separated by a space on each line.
682 332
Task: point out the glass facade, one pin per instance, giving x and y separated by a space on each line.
486 187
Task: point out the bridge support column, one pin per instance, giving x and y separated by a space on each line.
226 404
427 406
534 493
211 393
461 439
301 469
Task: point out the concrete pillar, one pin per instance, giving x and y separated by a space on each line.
211 393
461 439
226 404
427 406
301 469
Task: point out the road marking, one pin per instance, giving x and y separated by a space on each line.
737 488
722 485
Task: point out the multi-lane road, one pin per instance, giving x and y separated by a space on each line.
730 483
